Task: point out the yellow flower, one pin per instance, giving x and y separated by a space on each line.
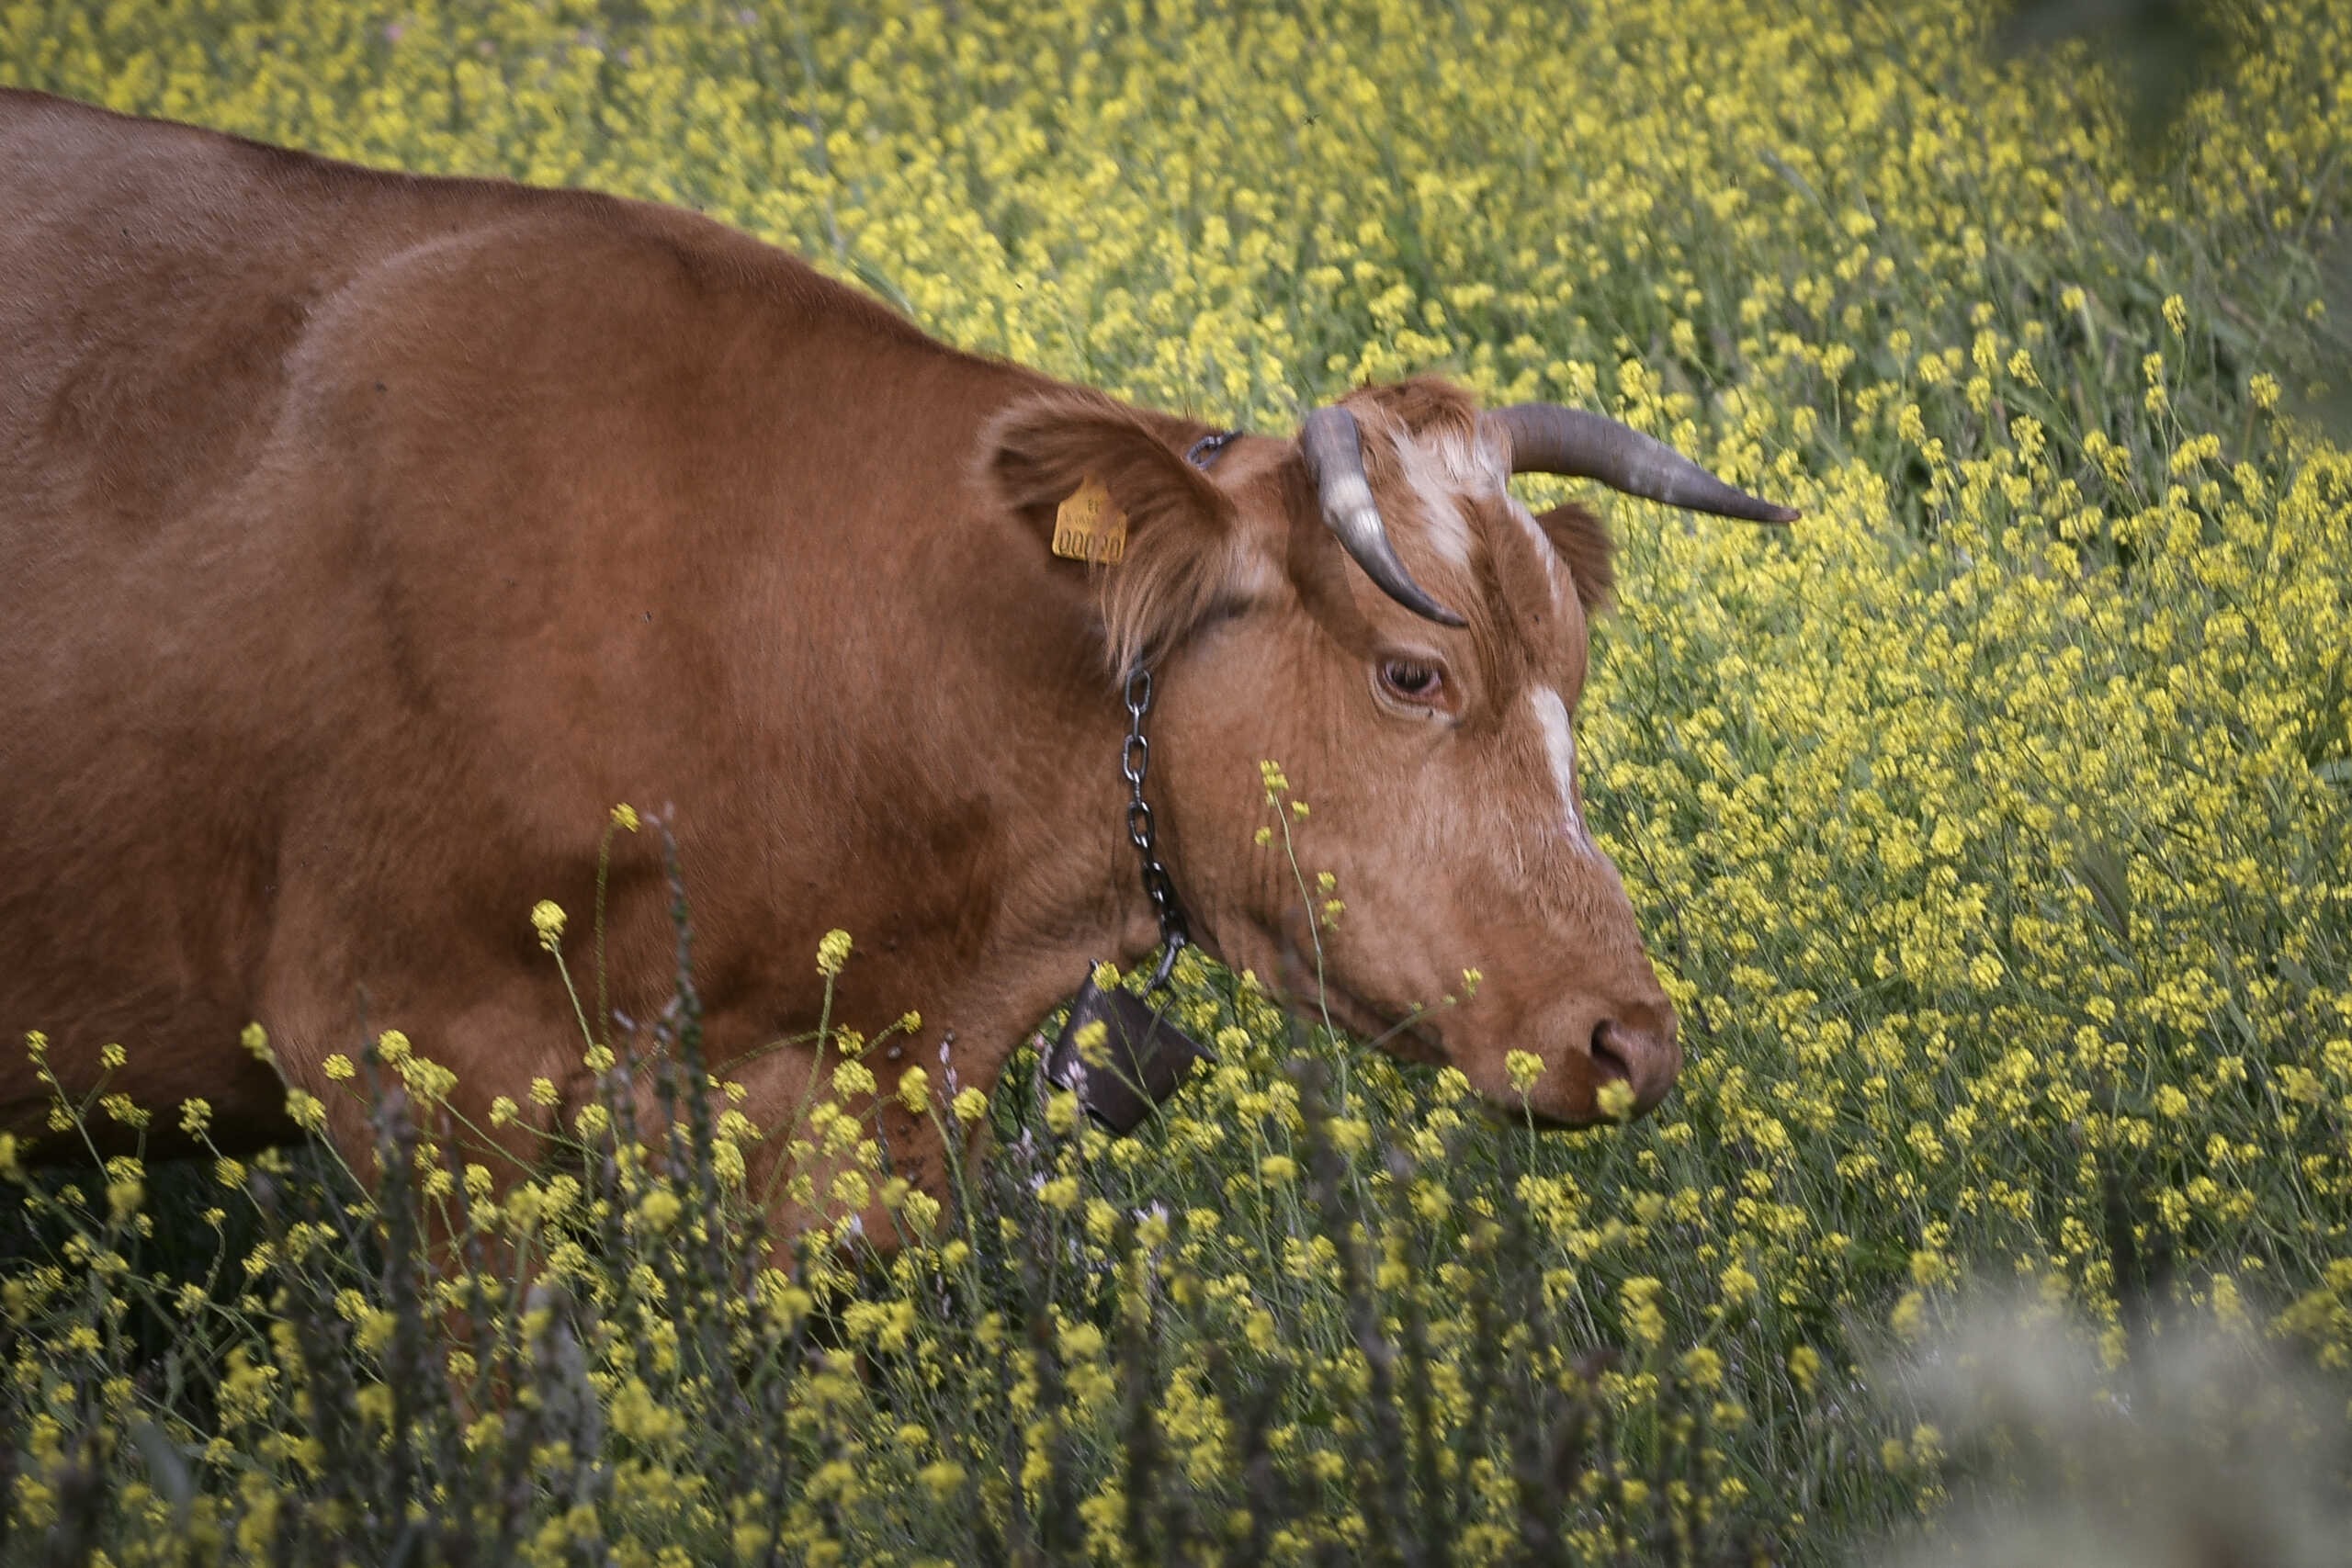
832 951
914 1091
922 1211
1639 1298
851 1189
338 1067
1523 1069
625 816
546 919
256 1039
970 1105
2229 1306
1926 1443
1616 1099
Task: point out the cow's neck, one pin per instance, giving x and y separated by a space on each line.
1108 912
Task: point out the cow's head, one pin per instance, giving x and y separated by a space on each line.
1369 605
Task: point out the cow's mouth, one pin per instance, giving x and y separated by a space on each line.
1529 1114
1413 1038
1609 1066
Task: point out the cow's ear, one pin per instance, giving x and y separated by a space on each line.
1583 542
1181 558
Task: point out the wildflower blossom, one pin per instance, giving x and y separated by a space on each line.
1982 826
1522 1067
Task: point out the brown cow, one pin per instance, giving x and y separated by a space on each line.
364 537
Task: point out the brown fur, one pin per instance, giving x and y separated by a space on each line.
364 537
1178 523
1584 544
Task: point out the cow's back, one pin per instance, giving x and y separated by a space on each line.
262 444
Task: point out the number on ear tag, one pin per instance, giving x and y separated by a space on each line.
1088 526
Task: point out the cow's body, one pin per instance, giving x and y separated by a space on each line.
363 539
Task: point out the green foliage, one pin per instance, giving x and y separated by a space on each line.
1990 825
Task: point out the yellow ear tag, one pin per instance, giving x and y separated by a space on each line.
1089 526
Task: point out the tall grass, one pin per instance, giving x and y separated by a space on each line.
1990 827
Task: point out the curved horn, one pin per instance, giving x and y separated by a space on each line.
1334 452
1548 439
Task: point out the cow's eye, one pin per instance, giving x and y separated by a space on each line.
1411 681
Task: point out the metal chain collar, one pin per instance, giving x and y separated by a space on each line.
1136 1056
1134 762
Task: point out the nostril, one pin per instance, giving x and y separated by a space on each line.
1609 1058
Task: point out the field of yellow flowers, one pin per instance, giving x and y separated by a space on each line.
1991 826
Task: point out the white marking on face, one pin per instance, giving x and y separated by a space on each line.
1251 572
1467 463
1439 468
1526 520
1449 533
1560 746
